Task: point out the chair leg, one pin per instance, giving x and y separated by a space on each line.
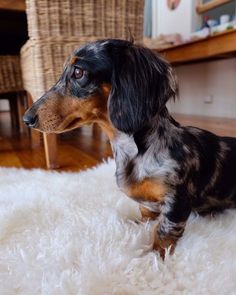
14 112
50 147
34 134
22 106
50 143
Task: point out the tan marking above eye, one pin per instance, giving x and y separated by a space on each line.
74 60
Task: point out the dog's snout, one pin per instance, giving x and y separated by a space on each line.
29 120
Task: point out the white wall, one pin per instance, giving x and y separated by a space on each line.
182 20
197 81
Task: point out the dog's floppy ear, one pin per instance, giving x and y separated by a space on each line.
142 83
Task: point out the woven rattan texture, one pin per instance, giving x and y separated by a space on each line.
57 27
85 18
10 74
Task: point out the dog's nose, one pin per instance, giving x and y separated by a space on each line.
29 120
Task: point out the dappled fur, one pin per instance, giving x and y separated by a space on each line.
168 169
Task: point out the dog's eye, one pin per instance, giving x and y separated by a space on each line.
78 73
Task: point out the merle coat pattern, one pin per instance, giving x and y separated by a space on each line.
168 169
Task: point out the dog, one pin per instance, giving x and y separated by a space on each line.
170 170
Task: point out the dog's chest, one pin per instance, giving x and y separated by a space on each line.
141 177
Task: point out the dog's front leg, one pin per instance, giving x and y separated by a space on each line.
171 226
166 235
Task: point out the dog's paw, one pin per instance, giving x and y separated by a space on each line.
163 246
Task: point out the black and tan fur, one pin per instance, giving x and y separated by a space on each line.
168 169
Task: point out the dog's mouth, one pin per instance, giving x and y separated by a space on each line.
73 124
69 124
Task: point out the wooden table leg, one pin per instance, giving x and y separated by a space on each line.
49 140
12 98
50 146
21 105
34 134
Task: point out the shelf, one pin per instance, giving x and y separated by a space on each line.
17 5
222 45
201 8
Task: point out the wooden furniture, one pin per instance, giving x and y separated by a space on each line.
12 98
17 5
218 46
222 45
57 27
11 87
10 74
85 19
203 7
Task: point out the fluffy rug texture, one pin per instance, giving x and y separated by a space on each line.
76 233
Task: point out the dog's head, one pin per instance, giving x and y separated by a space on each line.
111 80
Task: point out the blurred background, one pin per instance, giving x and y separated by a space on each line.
197 37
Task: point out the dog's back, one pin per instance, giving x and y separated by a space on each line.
212 183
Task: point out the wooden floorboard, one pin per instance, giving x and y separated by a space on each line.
85 147
78 150
220 126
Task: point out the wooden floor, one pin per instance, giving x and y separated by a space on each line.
84 147
78 150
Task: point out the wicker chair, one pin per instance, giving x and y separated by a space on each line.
54 35
11 86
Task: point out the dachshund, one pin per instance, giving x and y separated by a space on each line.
170 170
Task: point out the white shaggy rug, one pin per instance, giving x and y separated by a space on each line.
75 233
